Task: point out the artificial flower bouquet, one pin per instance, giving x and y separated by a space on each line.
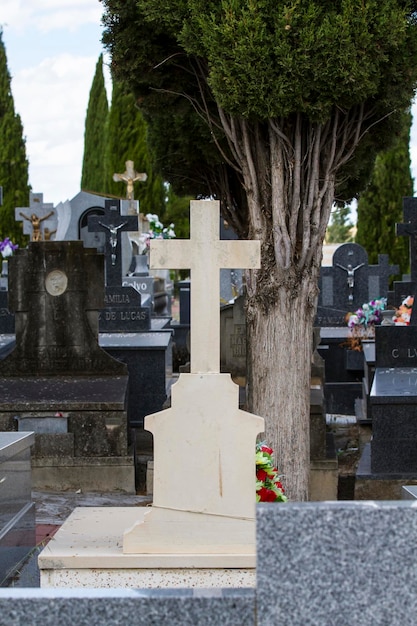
402 315
7 247
363 321
156 231
268 485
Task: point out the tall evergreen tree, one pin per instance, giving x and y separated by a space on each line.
94 174
14 166
340 228
127 140
380 206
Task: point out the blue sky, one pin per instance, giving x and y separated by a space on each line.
52 48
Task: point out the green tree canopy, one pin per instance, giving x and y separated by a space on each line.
287 104
95 136
380 205
13 162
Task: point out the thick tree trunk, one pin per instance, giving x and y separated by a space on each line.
280 346
288 169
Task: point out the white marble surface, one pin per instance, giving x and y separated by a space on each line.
87 552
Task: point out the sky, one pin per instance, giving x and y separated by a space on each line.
52 48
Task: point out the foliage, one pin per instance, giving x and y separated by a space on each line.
13 162
380 205
340 227
93 172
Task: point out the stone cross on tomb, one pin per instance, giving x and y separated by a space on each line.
112 223
409 229
36 216
130 176
203 511
205 254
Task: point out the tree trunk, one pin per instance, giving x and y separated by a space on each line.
280 348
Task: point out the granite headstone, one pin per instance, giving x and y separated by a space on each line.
57 369
123 311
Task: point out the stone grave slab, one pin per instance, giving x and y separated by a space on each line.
333 552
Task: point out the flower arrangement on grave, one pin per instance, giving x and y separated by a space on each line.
363 321
7 247
402 315
268 484
156 231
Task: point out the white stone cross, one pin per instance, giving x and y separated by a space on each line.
205 254
129 177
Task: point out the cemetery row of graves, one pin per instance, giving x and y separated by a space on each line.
89 358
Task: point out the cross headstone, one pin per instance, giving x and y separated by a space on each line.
213 519
123 312
113 223
37 218
205 254
409 229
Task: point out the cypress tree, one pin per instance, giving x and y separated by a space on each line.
380 206
14 165
340 229
127 141
93 172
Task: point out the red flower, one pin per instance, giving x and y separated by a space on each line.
266 449
279 485
261 475
266 495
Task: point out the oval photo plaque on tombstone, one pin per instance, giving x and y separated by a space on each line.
56 283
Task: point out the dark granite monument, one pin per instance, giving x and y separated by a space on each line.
350 282
123 311
394 401
389 461
57 370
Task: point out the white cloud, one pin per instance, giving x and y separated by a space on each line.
52 100
48 15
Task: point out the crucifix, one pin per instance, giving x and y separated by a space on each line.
112 223
205 254
130 176
34 216
350 271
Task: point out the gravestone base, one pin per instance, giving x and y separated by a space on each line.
103 474
379 486
80 426
87 552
